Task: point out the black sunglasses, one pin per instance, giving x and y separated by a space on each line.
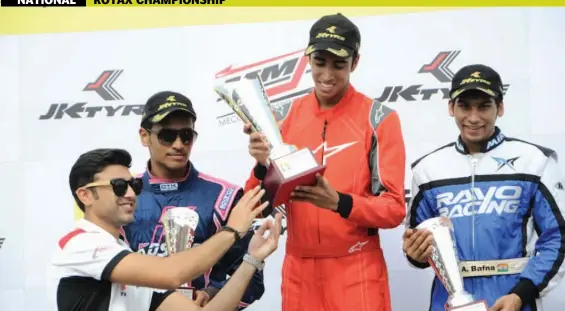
120 185
169 136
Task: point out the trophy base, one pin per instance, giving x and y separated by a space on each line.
480 305
188 292
285 173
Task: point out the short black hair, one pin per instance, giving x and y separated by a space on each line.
91 163
477 94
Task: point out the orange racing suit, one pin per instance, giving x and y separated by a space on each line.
333 259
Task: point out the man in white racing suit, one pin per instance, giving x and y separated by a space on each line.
504 196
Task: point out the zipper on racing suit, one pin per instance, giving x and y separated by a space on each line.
474 159
323 163
324 142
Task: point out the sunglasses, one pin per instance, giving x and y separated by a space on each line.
120 185
169 136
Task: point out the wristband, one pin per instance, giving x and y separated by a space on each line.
235 233
258 264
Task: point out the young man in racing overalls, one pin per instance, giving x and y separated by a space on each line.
171 180
333 256
503 195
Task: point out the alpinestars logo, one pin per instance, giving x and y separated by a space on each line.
440 68
284 78
103 86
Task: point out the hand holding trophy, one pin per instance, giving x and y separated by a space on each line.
288 166
444 261
179 226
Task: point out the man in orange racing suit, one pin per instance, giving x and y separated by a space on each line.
333 257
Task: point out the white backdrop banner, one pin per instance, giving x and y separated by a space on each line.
63 94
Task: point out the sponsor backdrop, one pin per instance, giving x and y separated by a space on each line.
66 93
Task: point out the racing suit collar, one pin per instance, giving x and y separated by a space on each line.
337 108
494 141
156 184
89 226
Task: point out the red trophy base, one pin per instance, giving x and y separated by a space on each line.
188 292
284 174
480 305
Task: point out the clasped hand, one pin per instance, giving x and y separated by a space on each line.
322 194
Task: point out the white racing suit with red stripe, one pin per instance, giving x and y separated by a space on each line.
507 209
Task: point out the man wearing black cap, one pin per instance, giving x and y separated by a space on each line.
171 180
504 197
333 257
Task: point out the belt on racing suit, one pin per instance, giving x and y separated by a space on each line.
341 249
492 267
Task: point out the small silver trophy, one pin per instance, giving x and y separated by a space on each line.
179 226
444 260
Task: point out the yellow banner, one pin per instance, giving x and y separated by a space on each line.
58 20
321 3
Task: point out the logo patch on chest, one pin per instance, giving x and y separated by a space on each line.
169 187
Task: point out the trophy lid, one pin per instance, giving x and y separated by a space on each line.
182 216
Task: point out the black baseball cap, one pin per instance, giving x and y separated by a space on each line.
477 77
160 105
335 34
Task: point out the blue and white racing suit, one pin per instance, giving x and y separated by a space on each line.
507 209
212 199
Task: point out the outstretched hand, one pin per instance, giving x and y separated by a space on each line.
246 210
260 247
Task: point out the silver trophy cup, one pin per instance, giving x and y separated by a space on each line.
248 99
444 260
288 167
179 226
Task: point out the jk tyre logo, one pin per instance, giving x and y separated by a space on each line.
285 77
107 103
103 85
441 69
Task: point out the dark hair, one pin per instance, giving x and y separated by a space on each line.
91 163
477 93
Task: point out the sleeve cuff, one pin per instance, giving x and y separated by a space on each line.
105 276
417 264
526 290
260 171
158 298
344 205
211 291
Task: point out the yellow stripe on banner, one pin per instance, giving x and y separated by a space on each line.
56 20
318 3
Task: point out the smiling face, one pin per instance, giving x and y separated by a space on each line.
103 203
331 75
475 114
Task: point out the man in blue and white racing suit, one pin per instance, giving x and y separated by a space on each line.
171 180
504 196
